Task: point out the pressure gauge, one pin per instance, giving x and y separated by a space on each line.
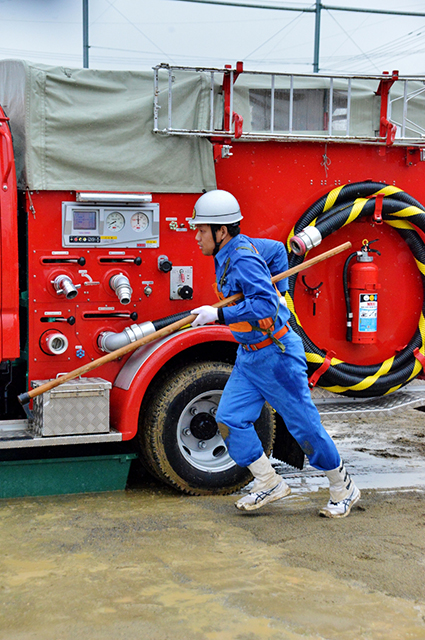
115 221
139 221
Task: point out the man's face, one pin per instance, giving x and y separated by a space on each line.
205 240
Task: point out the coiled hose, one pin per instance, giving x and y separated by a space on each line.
340 207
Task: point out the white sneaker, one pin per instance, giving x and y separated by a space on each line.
342 508
258 498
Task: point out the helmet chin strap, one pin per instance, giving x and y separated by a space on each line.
217 248
217 244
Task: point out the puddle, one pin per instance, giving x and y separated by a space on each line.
381 453
369 474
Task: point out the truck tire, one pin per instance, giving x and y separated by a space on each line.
178 435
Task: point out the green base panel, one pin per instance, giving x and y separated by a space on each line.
59 476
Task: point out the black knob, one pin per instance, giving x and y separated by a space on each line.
138 261
165 265
81 261
134 315
185 292
71 320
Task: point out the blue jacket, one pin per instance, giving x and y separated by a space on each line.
240 269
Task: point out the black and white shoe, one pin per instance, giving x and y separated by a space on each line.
342 508
259 497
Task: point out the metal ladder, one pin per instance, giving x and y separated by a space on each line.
402 130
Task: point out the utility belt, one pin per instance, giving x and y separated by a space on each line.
265 326
267 341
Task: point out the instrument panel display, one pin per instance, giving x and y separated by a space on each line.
84 220
110 226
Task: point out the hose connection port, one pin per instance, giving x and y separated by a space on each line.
64 285
121 285
53 343
305 240
110 341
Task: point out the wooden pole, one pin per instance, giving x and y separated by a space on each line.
24 398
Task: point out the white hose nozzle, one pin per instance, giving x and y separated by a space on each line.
53 343
305 240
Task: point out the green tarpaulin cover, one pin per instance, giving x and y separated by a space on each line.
88 129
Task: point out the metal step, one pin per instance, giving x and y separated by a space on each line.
16 434
331 404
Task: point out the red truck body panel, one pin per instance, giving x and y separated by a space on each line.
9 262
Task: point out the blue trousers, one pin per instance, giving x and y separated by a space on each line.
281 380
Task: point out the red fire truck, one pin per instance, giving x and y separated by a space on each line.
100 171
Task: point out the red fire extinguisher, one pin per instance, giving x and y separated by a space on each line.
361 295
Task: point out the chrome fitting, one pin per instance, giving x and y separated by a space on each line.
63 284
109 341
121 285
305 240
138 331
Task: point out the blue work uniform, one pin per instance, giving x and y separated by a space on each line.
276 373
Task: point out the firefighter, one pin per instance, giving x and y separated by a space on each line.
270 364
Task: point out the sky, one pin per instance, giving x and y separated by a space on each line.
138 34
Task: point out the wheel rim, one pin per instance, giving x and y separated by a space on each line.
198 437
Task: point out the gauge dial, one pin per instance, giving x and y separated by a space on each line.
115 221
139 221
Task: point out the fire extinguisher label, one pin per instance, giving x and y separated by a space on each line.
368 312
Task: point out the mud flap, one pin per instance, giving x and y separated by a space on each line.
285 447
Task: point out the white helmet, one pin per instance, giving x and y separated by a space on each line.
216 207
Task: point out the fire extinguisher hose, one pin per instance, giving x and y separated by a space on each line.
338 208
347 295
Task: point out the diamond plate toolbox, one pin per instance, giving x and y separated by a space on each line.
78 406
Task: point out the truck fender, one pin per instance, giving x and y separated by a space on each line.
134 378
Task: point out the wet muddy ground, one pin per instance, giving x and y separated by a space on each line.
149 563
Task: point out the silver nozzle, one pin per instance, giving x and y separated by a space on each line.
121 285
109 341
305 240
63 284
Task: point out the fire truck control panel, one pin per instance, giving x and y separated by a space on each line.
117 225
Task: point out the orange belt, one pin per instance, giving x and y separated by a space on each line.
267 342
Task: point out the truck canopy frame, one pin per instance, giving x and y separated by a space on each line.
297 107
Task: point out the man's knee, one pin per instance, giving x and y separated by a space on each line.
244 445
